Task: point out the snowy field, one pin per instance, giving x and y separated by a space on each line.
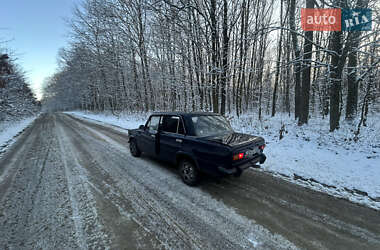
9 130
310 155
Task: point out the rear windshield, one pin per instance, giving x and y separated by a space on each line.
207 125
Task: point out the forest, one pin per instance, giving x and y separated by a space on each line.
223 56
17 100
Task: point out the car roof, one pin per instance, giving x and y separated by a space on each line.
182 113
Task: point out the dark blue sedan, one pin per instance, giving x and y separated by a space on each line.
197 143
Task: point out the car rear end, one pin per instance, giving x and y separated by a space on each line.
244 156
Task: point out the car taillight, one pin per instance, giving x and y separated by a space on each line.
238 156
262 147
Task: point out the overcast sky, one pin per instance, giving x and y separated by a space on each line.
36 29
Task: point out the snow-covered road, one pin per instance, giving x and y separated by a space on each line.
68 183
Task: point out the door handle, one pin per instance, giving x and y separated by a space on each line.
178 140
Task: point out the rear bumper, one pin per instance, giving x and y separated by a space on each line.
236 169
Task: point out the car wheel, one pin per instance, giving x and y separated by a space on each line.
135 151
189 173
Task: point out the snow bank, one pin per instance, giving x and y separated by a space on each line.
124 120
9 130
309 152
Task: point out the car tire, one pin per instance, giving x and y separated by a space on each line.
189 173
134 149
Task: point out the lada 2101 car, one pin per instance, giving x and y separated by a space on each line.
197 143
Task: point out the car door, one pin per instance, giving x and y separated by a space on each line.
148 138
171 137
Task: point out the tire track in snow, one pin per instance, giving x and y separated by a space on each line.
209 221
89 229
34 216
141 202
310 219
317 217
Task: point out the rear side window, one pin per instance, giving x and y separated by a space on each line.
172 124
181 128
153 123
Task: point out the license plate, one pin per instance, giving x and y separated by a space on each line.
252 152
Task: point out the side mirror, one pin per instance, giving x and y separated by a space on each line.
142 127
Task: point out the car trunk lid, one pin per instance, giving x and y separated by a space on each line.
236 140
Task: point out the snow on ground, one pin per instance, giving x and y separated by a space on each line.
314 157
309 155
9 130
311 151
124 121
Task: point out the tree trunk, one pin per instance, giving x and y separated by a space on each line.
352 84
297 65
278 64
305 89
214 58
224 79
336 79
